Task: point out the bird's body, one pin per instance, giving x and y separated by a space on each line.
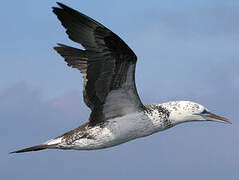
108 68
115 131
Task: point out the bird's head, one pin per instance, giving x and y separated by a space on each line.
186 111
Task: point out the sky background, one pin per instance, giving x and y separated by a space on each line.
187 50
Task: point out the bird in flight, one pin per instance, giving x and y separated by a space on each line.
108 68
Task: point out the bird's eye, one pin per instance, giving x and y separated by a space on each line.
204 111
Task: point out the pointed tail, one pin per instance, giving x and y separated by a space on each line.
33 148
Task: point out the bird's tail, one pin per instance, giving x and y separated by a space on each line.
51 144
33 148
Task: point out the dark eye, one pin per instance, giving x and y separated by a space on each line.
204 111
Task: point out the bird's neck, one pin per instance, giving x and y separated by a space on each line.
159 116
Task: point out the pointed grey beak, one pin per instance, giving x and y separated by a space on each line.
213 117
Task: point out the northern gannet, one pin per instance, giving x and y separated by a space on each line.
108 68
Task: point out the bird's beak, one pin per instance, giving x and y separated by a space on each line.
213 117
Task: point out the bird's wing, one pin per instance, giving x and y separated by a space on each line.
107 65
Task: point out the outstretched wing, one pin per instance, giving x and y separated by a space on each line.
107 65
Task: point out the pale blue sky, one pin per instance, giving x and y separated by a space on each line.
187 50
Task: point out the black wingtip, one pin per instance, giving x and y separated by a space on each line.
59 4
59 45
33 148
63 6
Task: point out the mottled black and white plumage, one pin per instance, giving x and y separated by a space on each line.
108 68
